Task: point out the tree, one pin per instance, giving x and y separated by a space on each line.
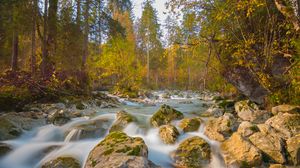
149 35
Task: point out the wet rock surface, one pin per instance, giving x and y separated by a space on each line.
62 162
168 134
119 150
123 119
165 115
190 124
192 152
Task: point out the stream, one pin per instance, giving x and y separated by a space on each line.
45 143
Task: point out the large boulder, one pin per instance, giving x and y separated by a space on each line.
286 109
89 129
286 123
123 119
247 128
245 82
249 111
293 148
165 115
190 124
192 152
62 162
213 111
119 150
239 152
269 142
168 134
12 124
221 128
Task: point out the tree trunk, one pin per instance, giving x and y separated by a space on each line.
44 46
15 48
33 38
86 35
52 27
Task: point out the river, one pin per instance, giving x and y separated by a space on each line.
42 144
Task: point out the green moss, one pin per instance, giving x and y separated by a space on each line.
94 163
254 128
165 115
135 151
108 152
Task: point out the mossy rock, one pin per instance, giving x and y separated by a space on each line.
123 119
62 162
116 144
165 115
168 134
190 124
192 153
9 129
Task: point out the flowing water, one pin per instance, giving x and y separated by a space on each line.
45 143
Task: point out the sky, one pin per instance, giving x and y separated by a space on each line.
159 5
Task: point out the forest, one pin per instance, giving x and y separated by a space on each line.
78 46
70 67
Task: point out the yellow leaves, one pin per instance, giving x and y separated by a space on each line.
249 6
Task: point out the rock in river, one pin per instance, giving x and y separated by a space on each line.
192 153
118 150
165 115
190 124
168 134
62 162
123 119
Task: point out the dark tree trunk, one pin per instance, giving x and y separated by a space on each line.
33 37
52 27
86 35
44 45
78 15
15 50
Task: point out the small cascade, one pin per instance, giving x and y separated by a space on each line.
74 135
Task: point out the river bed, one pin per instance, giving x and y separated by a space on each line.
45 143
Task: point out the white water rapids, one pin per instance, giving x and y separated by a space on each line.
45 143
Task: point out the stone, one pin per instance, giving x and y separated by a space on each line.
247 128
192 152
122 120
62 162
249 111
238 151
286 109
286 123
277 166
59 117
12 124
221 128
5 149
168 134
165 115
293 148
242 78
119 150
271 144
214 111
190 124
